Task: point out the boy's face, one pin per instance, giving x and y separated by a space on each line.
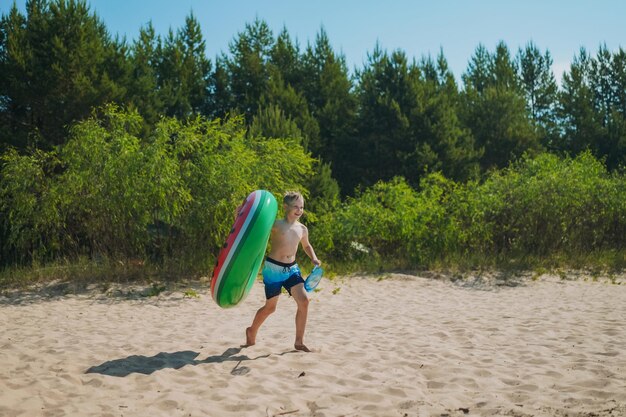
295 208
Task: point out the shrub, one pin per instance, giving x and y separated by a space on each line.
109 192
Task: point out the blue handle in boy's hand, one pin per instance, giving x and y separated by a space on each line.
313 279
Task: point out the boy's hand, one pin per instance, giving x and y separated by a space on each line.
316 262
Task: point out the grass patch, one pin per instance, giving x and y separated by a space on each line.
155 290
81 272
191 293
598 263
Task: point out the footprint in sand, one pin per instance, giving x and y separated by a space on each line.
435 385
167 405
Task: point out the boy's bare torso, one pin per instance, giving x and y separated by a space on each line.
285 239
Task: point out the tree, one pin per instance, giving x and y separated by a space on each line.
221 100
284 57
494 108
581 124
478 75
271 122
441 142
184 71
617 127
387 94
295 106
143 91
540 90
284 88
592 106
329 92
407 123
55 63
247 68
504 69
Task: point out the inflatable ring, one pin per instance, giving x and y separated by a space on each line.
240 259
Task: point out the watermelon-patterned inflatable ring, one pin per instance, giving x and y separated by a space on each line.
240 259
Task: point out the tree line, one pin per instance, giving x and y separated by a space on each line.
146 142
393 116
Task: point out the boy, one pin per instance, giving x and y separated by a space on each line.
280 269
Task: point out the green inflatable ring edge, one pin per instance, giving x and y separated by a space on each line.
243 269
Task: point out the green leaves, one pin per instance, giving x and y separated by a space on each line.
390 220
548 204
494 109
112 193
539 206
28 206
57 62
592 106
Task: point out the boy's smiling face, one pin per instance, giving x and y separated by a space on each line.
294 209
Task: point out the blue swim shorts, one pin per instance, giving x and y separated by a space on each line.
278 274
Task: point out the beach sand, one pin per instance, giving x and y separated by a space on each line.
392 345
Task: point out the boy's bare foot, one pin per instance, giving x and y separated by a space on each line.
250 338
302 347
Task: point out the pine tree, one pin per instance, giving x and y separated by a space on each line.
295 107
285 57
183 71
143 91
593 104
54 63
494 108
329 92
479 75
221 100
617 127
271 122
540 90
441 142
196 66
387 94
581 124
284 89
247 67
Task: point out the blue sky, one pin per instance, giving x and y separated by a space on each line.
416 27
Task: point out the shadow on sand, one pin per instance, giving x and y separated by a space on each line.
148 364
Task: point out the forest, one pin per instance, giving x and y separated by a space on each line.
126 152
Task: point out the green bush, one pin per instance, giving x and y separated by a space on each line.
540 206
546 204
31 223
392 220
167 197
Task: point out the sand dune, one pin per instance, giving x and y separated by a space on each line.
398 345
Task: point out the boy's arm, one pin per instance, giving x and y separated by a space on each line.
308 249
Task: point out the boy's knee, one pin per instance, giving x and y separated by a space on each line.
303 302
270 308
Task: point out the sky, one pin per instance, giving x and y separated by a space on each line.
419 27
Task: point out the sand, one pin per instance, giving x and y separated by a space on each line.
393 345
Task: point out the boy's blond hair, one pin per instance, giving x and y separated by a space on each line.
291 196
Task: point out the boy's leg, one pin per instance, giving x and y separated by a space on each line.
259 318
299 294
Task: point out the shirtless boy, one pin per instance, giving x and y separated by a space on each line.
281 270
